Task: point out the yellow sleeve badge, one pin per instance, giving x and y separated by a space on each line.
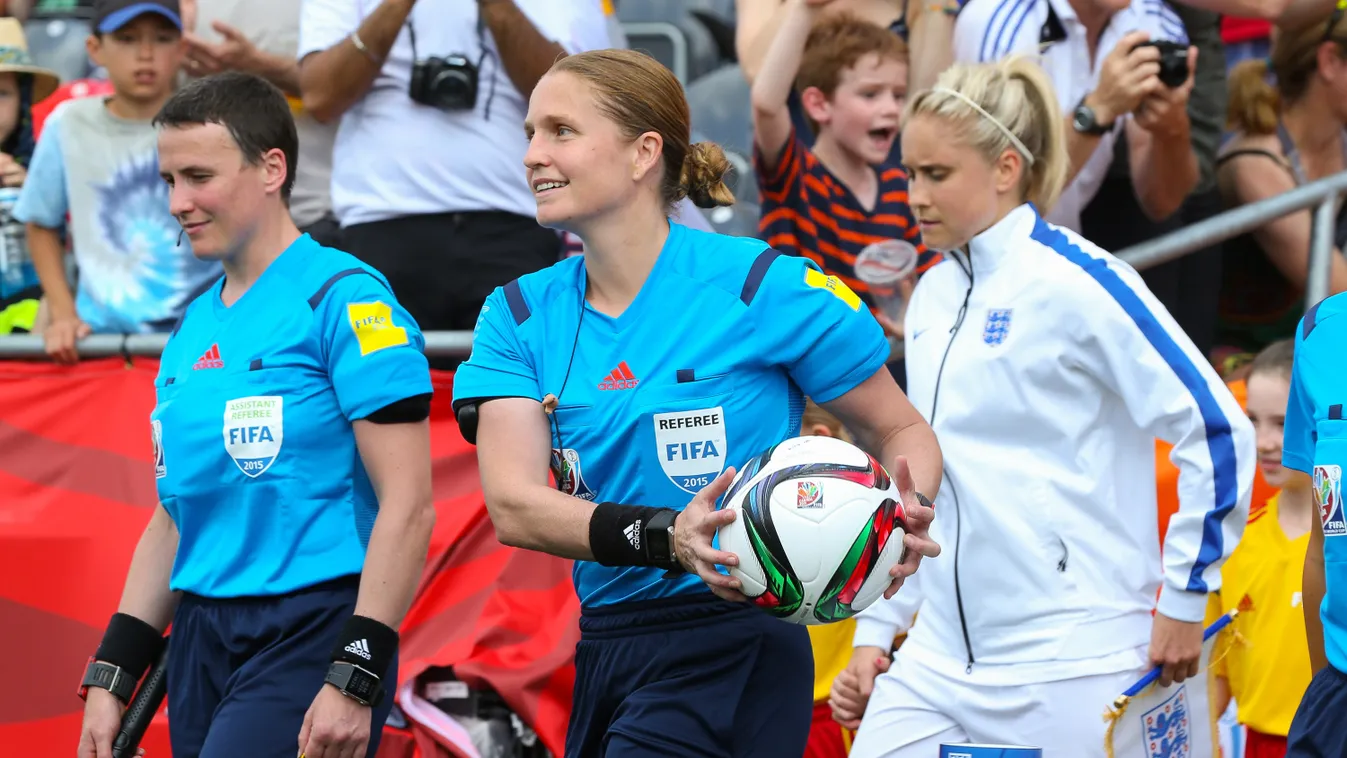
373 326
817 279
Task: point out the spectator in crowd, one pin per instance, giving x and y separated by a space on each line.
758 21
1246 38
261 37
1247 25
930 31
1114 218
97 161
1286 133
830 201
1262 580
1120 93
426 177
21 85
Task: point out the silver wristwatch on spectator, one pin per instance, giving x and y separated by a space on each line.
1084 120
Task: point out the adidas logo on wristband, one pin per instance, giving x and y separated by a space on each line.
360 648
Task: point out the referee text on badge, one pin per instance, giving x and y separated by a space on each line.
691 446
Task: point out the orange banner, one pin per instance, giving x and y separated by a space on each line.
77 487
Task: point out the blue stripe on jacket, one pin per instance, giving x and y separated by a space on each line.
1220 443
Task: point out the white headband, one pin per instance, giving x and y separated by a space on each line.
1028 157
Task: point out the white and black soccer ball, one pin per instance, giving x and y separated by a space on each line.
820 523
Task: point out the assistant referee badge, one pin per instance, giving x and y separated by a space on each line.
373 326
818 280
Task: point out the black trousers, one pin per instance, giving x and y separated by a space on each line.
443 266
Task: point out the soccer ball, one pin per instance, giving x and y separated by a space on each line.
820 523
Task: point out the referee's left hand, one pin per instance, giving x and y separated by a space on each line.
335 727
694 530
917 522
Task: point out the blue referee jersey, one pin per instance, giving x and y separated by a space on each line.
1316 443
706 368
255 455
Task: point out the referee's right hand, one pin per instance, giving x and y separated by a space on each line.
102 721
695 528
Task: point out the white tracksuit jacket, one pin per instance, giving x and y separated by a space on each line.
1047 375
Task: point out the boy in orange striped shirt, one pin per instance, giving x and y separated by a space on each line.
829 202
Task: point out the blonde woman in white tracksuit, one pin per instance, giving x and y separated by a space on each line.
1047 370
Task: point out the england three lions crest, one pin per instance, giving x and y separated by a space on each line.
997 326
1167 727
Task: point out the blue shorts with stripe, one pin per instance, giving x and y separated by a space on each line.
243 672
1319 729
690 675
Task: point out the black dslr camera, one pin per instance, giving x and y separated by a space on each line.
1173 61
448 83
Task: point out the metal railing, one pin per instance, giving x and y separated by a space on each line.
28 346
1321 195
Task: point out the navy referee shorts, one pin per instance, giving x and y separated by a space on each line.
243 672
690 676
1319 729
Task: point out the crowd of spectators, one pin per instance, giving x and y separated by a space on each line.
408 112
411 142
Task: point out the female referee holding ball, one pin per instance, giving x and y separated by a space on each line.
643 371
293 463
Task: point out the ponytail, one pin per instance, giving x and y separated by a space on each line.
1045 133
1254 102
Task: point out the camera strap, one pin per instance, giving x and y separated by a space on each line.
481 44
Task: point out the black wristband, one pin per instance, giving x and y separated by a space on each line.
130 644
368 644
619 536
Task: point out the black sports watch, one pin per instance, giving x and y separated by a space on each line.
1085 121
112 678
356 683
658 536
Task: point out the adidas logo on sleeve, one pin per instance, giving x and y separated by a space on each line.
360 648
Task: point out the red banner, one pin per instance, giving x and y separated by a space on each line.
77 487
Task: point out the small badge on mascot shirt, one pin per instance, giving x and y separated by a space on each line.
373 326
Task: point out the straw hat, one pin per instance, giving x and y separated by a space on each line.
14 57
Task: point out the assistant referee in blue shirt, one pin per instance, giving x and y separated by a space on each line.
1316 444
292 457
